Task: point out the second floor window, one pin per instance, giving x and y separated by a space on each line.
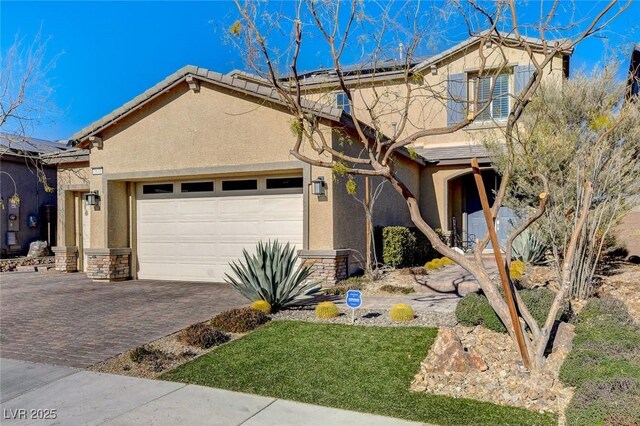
342 102
498 109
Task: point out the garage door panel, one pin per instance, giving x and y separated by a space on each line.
285 228
196 229
278 205
241 230
239 205
194 239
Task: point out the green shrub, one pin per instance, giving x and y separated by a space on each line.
604 366
241 320
474 309
605 307
399 246
394 289
271 274
607 345
203 336
404 247
606 402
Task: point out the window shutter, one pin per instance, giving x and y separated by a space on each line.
521 75
457 99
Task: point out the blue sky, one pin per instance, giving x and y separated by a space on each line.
109 52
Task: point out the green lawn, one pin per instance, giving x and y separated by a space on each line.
366 369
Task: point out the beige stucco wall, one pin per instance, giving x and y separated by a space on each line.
72 179
189 134
389 208
428 107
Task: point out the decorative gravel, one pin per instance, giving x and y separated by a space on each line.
174 353
369 317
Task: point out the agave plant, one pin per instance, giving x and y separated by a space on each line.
272 275
529 247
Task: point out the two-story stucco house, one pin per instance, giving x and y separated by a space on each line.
183 177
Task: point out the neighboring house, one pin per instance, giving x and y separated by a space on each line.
189 173
22 173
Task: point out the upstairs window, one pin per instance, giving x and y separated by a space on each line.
498 109
342 102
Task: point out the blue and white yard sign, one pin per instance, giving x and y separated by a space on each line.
354 301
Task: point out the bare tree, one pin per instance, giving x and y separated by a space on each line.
378 152
25 99
582 131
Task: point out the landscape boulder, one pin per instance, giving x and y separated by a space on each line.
449 355
38 249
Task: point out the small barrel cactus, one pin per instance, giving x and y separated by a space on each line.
516 270
446 261
326 310
401 312
262 306
434 264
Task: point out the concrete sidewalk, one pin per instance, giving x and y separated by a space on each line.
83 397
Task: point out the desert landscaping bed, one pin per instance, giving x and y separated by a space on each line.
172 353
370 317
477 363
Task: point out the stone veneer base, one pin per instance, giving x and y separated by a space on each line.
108 264
66 258
330 266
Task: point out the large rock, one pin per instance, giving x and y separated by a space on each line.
448 354
38 249
563 339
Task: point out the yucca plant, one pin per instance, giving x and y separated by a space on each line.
271 274
529 247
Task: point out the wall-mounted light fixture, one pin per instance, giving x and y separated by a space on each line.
318 186
92 198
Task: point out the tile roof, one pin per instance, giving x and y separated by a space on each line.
222 80
71 155
457 152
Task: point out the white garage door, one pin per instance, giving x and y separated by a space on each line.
194 239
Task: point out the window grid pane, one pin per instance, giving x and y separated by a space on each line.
342 101
484 86
501 97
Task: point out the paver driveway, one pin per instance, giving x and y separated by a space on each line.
66 319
